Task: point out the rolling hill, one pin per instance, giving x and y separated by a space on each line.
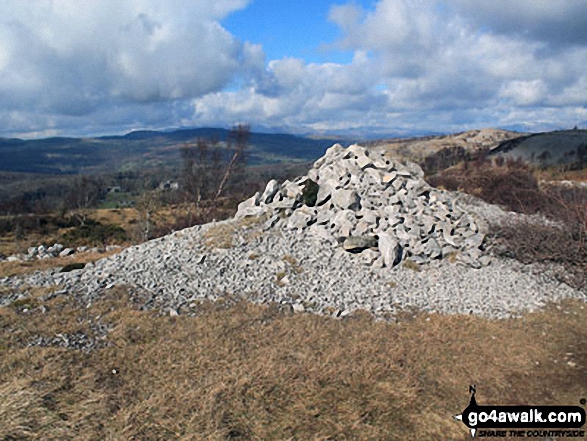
142 149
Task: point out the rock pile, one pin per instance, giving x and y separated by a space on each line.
376 207
323 243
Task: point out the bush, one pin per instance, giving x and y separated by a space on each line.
95 233
533 243
512 185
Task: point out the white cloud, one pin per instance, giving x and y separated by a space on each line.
525 93
561 21
429 65
70 57
418 65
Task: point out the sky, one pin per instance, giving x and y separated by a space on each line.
368 68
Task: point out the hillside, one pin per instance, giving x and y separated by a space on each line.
140 149
417 149
551 148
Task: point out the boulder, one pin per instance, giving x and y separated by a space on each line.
250 207
270 191
310 193
66 252
390 249
356 244
301 218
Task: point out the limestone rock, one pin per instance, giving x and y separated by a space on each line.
356 244
357 193
346 199
270 191
66 252
310 193
250 207
390 249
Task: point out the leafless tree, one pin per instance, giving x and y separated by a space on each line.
83 194
148 205
208 168
238 140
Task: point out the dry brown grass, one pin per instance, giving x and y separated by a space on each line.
10 269
223 235
256 372
556 174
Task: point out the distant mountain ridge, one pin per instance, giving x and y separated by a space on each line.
143 148
150 148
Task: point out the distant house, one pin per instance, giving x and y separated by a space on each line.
168 185
113 190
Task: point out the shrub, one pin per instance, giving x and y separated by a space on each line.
95 233
534 243
512 185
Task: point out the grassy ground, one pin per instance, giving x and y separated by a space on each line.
10 269
242 371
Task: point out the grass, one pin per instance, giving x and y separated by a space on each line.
257 372
410 264
222 235
10 269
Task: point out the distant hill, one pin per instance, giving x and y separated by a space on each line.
418 149
551 148
142 149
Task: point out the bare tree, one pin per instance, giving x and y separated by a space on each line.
207 172
148 205
83 194
238 140
196 164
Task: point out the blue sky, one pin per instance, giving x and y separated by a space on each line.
375 67
298 29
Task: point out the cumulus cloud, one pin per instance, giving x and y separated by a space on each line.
561 22
432 65
70 58
417 65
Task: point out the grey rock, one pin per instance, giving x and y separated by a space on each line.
388 178
432 249
270 191
298 307
310 193
346 199
368 216
66 252
325 191
250 207
291 190
475 241
369 256
356 244
391 250
361 228
301 218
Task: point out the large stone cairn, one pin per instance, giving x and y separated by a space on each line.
381 210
